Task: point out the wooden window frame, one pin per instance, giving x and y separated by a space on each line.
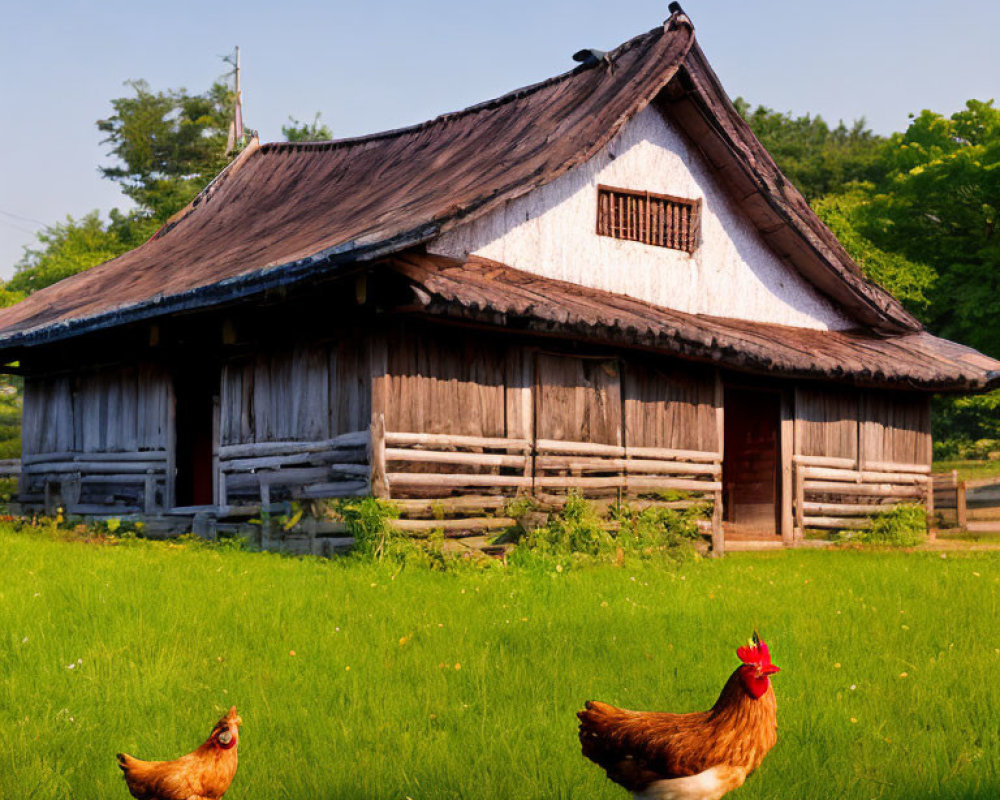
683 241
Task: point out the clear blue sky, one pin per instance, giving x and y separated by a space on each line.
377 65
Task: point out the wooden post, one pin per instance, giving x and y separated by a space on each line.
49 501
169 490
149 492
960 507
529 391
787 442
718 530
376 459
718 533
798 529
216 441
800 499
379 370
265 515
931 520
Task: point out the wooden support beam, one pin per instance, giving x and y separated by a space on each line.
800 501
826 461
448 480
438 457
470 504
121 455
718 531
961 505
398 439
630 465
426 526
550 447
863 476
333 490
347 441
847 509
872 489
837 523
380 486
786 442
931 519
610 482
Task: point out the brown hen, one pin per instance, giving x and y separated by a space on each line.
204 774
696 756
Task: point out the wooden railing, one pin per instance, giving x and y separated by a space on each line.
447 463
561 465
452 467
832 493
337 467
68 478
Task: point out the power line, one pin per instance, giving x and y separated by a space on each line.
17 227
32 220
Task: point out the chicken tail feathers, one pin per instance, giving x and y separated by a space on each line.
124 761
597 720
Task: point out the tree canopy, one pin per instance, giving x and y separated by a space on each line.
298 131
918 211
818 159
165 148
167 145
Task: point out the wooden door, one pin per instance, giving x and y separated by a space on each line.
196 430
751 464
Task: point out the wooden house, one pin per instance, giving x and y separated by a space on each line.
598 283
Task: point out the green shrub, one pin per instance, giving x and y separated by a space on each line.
369 521
902 526
578 533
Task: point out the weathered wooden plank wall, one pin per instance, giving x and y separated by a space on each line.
305 392
670 407
119 410
446 384
579 399
858 453
97 440
888 426
896 427
477 387
829 422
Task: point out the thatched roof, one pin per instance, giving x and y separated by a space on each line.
484 292
285 213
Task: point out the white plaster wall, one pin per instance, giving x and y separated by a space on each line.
733 273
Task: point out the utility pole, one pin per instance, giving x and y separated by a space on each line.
235 138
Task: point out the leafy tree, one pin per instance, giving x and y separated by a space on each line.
297 131
168 145
910 281
939 204
818 159
72 246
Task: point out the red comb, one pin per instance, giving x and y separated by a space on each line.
754 653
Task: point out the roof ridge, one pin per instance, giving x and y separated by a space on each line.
449 116
252 148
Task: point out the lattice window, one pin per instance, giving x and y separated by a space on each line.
656 219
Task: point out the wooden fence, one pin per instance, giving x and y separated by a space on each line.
969 505
464 474
337 467
834 493
96 483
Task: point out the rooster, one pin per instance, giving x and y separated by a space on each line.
697 756
204 774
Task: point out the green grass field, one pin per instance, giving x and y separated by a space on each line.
464 684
